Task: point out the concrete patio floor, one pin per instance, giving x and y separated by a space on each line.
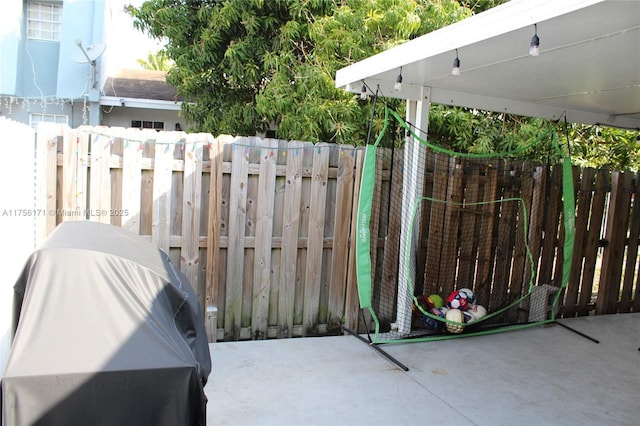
544 375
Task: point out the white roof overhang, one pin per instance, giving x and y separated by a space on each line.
140 103
588 70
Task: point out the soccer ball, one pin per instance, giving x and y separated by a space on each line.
432 323
457 300
471 297
456 316
474 313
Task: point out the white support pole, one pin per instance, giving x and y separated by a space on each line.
412 189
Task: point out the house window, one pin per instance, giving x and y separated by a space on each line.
139 124
43 21
35 118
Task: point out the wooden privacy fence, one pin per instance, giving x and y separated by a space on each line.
284 233
607 230
461 246
262 228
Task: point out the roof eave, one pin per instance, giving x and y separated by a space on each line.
140 103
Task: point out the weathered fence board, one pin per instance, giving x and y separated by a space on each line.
264 231
162 180
449 253
74 179
214 227
582 219
616 236
485 252
191 205
469 246
340 250
289 252
631 261
236 242
46 176
602 183
273 329
351 292
435 228
315 242
100 182
131 181
537 216
522 261
551 213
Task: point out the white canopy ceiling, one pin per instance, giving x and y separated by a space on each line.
588 69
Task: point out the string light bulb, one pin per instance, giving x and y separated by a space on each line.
534 47
398 85
455 69
363 93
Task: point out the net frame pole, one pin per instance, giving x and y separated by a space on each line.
377 348
579 333
412 188
409 234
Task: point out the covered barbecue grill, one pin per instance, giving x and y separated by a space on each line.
106 331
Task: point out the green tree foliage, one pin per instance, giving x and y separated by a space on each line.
158 61
465 130
248 65
251 64
596 146
481 5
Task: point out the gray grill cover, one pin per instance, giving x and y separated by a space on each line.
106 332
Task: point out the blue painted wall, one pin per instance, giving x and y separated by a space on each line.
10 41
81 20
39 71
37 68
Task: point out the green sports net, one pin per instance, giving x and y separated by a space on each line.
452 244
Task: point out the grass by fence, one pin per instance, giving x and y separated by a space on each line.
262 228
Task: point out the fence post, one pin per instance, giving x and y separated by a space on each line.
46 169
616 232
351 291
340 251
213 234
263 247
236 242
191 205
317 211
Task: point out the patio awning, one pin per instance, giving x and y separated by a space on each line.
588 69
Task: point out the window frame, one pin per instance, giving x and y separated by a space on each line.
147 124
35 24
47 118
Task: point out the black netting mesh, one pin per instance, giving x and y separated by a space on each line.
460 243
